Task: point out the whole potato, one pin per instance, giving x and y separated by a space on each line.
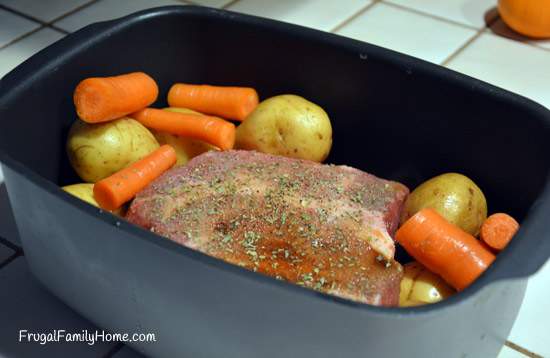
99 150
85 192
287 125
186 148
456 197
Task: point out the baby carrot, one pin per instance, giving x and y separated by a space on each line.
497 230
209 129
227 102
115 190
101 99
444 248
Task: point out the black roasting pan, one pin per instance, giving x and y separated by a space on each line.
393 115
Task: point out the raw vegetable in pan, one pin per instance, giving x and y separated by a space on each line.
122 156
213 130
228 102
85 192
498 230
100 99
439 212
99 150
444 248
420 286
287 125
454 196
122 186
186 148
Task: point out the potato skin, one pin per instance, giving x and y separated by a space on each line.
420 286
99 150
456 197
287 125
186 148
83 191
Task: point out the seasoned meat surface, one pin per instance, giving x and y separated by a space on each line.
320 226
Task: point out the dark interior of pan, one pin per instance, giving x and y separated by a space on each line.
394 116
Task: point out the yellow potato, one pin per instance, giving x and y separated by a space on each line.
454 196
186 148
85 192
99 150
410 272
420 286
287 125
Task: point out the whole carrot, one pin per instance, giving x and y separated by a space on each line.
113 191
497 230
227 102
213 130
444 248
101 99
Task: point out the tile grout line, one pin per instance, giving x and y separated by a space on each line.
404 8
21 37
76 9
468 42
189 2
427 14
11 245
224 6
524 41
22 14
461 48
527 43
521 350
10 259
359 12
59 29
41 24
229 4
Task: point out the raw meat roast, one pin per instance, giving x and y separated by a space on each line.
320 226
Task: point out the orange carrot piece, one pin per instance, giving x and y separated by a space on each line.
113 191
497 230
444 248
227 102
101 99
213 130
487 247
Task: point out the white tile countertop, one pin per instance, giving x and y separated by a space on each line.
465 35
